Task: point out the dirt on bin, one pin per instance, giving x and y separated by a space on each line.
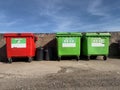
63 75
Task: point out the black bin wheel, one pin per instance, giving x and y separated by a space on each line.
78 58
59 58
88 58
104 58
9 60
30 59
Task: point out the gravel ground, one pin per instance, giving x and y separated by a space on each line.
63 75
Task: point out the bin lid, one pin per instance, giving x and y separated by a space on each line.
97 34
19 34
68 34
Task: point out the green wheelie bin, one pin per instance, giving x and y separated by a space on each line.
95 44
68 44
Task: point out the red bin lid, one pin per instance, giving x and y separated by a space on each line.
18 35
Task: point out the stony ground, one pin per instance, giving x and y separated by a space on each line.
63 75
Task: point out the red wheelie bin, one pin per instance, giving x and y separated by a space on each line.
20 45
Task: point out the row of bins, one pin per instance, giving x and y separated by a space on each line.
68 44
87 44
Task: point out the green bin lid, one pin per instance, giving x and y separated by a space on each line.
97 34
68 34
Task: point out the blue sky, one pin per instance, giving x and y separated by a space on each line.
50 16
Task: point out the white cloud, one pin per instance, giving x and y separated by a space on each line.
8 23
96 8
52 9
63 25
49 7
4 20
111 25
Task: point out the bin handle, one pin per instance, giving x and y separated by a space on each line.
19 34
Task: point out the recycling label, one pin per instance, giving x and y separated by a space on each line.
98 42
18 43
69 42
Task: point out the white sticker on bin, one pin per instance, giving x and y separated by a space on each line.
98 42
98 45
18 46
69 42
69 45
18 43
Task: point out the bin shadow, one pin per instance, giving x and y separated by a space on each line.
70 58
24 59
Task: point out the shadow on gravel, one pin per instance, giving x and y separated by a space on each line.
20 59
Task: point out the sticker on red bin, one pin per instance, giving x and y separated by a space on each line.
18 43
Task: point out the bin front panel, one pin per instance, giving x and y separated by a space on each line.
20 46
97 45
68 46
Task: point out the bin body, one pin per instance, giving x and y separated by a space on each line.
20 45
39 53
95 44
68 44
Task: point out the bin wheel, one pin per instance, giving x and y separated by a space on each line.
78 58
9 60
29 59
59 58
104 58
88 58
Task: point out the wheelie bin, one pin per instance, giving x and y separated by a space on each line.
68 44
20 45
95 44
